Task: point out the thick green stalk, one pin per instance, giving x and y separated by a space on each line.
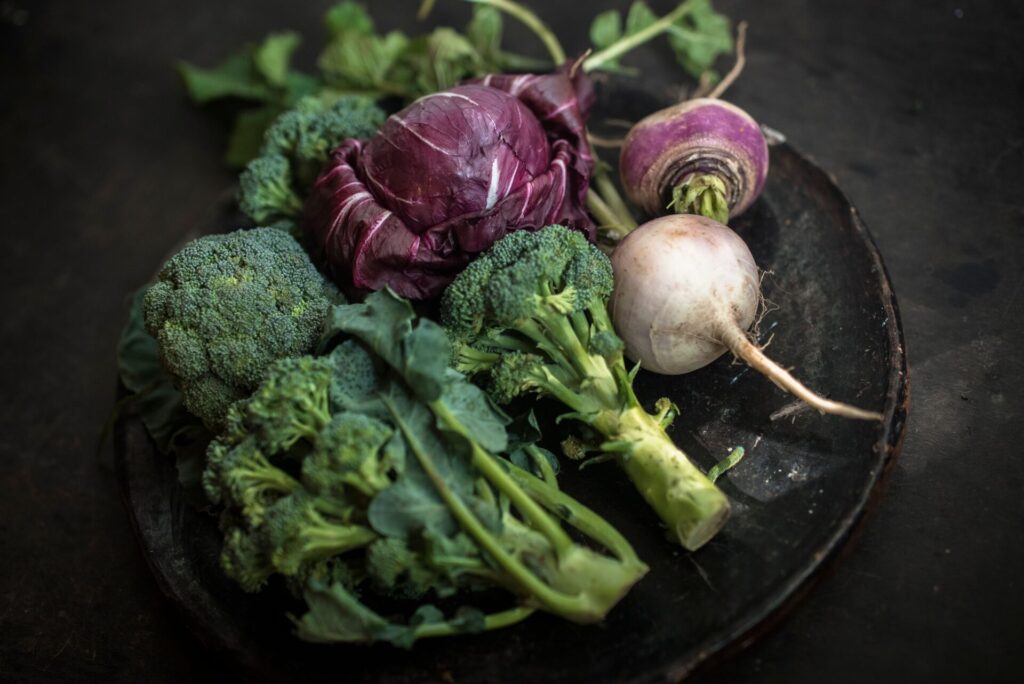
615 201
489 468
692 507
579 516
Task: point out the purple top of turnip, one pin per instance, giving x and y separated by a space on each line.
701 138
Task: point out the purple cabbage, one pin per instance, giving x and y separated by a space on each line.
448 176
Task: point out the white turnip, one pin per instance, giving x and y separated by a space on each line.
686 290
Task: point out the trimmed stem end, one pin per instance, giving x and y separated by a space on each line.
702 194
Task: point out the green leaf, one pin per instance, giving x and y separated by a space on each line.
437 62
384 323
335 615
701 37
299 85
273 56
236 76
348 17
410 506
606 29
484 33
247 135
640 17
362 62
158 402
472 407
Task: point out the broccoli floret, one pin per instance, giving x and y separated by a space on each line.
226 306
307 133
240 475
302 528
531 314
265 189
295 148
292 403
245 558
356 379
348 456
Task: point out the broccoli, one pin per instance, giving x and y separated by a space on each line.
531 316
379 465
274 185
226 306
266 190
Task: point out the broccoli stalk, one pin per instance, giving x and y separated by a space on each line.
577 583
528 550
400 483
531 314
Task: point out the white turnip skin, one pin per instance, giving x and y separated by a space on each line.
686 291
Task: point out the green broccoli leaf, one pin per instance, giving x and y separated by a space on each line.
158 402
236 76
336 615
410 506
472 407
273 56
247 135
701 37
384 323
436 62
362 63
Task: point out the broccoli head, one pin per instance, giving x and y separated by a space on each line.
227 306
273 186
531 314
350 455
527 276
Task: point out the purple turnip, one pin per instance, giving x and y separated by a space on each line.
686 290
702 156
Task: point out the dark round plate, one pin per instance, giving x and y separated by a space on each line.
806 482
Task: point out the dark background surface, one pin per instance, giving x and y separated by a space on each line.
916 108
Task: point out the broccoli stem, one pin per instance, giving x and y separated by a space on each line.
686 500
582 586
326 540
490 469
504 618
579 516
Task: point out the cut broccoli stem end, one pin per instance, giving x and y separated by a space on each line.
692 507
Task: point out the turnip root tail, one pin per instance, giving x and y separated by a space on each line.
733 337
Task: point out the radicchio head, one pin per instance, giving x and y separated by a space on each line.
448 176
